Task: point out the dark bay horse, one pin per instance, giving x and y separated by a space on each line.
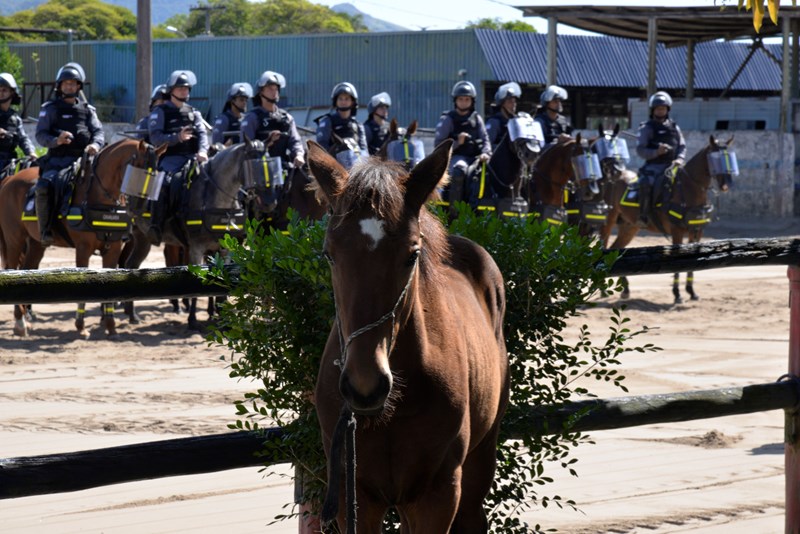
416 356
212 206
553 173
96 206
683 213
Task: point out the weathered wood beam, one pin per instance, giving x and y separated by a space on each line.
53 286
56 473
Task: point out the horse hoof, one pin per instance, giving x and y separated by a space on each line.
678 300
695 297
20 331
83 333
113 336
135 319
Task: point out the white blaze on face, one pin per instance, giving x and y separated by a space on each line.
373 229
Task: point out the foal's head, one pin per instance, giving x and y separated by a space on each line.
383 247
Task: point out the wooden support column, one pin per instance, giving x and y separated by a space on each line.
786 81
144 58
552 54
652 43
792 423
793 70
690 69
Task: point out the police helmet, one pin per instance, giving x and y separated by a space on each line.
7 80
71 71
551 93
661 98
159 91
381 99
346 88
240 89
464 88
507 90
181 78
270 77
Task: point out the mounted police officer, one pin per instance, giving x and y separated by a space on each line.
182 128
662 146
555 126
12 134
68 127
506 100
376 127
228 123
465 126
342 120
157 97
273 125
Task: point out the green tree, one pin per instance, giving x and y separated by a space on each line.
10 62
497 24
272 17
91 19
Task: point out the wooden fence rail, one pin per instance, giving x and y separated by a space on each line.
56 473
53 286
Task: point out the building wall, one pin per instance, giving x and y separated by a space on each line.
418 69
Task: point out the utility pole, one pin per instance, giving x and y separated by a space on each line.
207 8
144 58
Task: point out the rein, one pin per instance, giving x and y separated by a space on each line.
346 425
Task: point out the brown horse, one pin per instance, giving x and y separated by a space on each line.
683 213
402 146
552 175
416 355
96 204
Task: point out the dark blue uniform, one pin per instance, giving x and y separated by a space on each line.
225 123
451 124
552 128
376 134
344 128
166 122
14 137
260 123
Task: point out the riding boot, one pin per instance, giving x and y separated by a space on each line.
44 215
644 202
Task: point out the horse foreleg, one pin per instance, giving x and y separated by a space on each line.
676 288
193 324
108 320
20 321
690 286
80 321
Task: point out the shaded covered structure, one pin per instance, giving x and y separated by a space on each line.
679 26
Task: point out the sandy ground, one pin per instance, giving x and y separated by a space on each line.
59 393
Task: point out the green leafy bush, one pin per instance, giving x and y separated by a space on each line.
281 310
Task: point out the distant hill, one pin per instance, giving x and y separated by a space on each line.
372 24
163 10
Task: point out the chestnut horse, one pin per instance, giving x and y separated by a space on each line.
416 356
553 173
97 189
683 214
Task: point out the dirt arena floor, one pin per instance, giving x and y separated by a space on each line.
61 393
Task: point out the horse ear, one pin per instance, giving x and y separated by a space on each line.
616 129
578 138
412 128
328 173
730 141
600 130
425 176
711 140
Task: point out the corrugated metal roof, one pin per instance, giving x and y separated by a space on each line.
614 62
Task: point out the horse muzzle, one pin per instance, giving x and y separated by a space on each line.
366 397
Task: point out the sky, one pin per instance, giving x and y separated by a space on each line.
454 14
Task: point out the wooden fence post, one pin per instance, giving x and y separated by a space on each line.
792 425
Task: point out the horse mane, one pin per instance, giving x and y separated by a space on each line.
379 186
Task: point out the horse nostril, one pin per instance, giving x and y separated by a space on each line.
370 401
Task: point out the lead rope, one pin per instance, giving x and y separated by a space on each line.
346 425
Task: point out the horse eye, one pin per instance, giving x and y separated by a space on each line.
414 257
